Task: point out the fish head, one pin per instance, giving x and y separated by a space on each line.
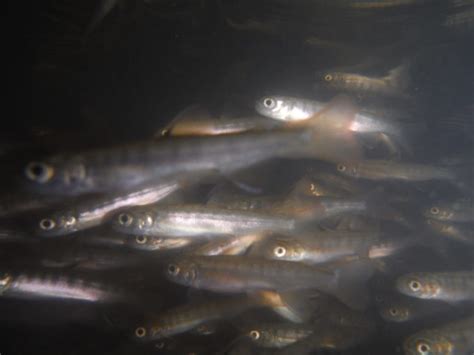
150 332
438 212
5 281
67 177
259 335
347 168
57 224
283 249
418 285
133 221
183 272
426 343
332 79
282 108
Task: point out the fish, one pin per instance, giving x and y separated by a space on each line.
195 121
402 309
18 203
92 212
277 335
56 285
455 211
198 221
454 338
184 318
452 286
130 165
452 231
322 247
364 121
236 274
394 84
391 170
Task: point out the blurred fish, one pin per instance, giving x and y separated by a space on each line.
56 285
458 232
463 19
93 212
453 286
277 335
316 248
391 170
452 338
232 274
393 85
131 165
456 211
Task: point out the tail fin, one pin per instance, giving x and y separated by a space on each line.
332 137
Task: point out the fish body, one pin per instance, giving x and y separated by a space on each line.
454 338
199 220
234 245
93 212
320 247
451 287
391 170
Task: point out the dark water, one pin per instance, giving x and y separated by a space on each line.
148 60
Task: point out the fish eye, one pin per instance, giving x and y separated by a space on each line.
254 334
268 102
125 219
141 239
423 348
47 224
328 77
393 311
415 285
280 251
434 210
173 269
341 167
39 172
140 332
